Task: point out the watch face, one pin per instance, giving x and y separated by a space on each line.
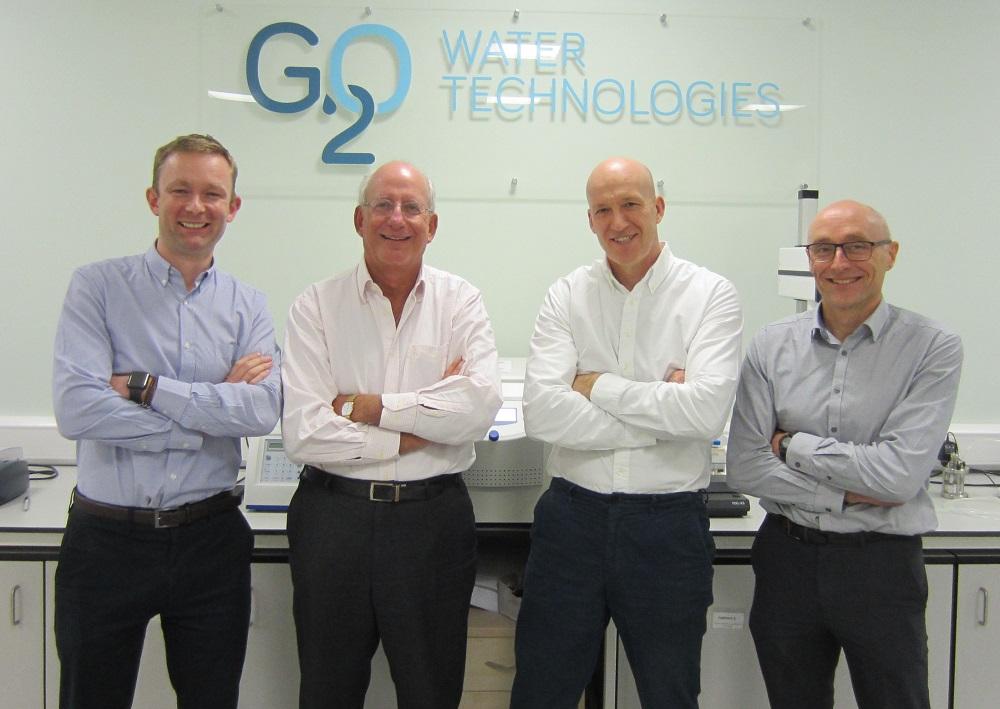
347 409
138 380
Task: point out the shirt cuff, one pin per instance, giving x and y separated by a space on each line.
829 500
380 444
607 392
399 412
171 397
800 451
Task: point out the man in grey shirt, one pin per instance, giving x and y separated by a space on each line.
839 414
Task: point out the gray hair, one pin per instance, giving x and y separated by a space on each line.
363 189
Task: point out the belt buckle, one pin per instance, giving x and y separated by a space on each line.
393 495
159 523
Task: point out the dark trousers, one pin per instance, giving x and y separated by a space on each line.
812 600
366 571
644 561
113 578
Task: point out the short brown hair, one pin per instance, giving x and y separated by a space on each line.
192 143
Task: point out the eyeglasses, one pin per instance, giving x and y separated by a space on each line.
386 208
853 250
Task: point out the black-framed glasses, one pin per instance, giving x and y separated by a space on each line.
853 250
386 208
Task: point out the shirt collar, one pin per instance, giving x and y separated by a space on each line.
366 284
876 322
654 277
161 269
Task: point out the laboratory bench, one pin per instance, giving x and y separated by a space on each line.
963 571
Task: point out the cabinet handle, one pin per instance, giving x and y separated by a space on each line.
499 667
253 606
15 605
982 605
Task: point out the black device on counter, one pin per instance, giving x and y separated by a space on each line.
13 479
721 501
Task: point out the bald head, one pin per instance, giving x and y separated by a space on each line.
619 170
394 170
874 223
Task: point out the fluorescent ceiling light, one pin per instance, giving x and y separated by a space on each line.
546 52
228 96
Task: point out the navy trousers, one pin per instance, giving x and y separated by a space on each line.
812 600
644 561
363 572
113 578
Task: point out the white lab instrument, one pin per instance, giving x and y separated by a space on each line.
795 280
504 482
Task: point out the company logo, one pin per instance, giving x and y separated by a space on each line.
351 97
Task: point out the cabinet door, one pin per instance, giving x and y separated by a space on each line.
977 636
730 676
938 619
22 633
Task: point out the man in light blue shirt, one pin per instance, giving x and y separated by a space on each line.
162 364
838 417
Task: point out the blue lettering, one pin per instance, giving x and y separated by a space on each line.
674 88
544 39
581 102
699 88
310 74
573 52
739 99
494 51
515 108
767 98
615 87
631 101
336 78
535 95
453 93
461 46
478 93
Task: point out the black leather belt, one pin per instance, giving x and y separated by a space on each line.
158 518
378 491
808 535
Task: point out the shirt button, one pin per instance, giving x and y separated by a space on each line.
798 465
836 390
164 281
843 353
834 429
187 345
173 476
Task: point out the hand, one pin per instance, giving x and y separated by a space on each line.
583 382
409 443
250 369
854 498
119 382
455 367
776 439
676 377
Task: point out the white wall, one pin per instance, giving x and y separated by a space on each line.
904 118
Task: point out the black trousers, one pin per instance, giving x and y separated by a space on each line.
367 571
113 578
812 600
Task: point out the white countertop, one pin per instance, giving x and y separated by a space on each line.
973 522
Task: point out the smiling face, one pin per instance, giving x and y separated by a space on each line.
394 243
194 202
623 212
850 290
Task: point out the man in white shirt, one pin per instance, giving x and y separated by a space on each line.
631 374
390 376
